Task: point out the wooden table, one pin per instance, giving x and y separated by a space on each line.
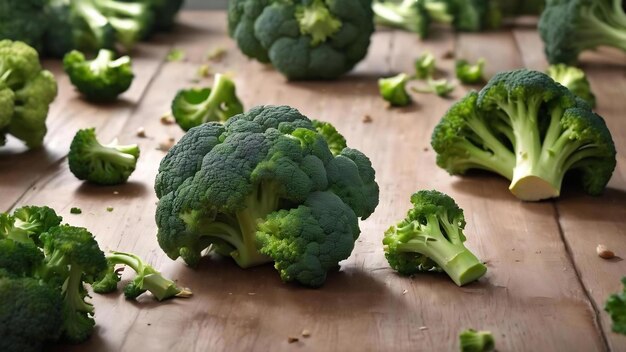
545 287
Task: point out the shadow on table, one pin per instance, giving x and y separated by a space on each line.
131 189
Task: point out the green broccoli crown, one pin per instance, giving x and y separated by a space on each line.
23 20
529 129
303 39
108 164
393 90
431 238
336 142
28 223
101 79
193 107
573 79
26 91
19 259
571 27
220 180
468 73
476 341
32 318
409 15
616 307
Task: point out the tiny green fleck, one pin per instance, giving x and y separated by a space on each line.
176 55
204 71
109 209
216 54
75 210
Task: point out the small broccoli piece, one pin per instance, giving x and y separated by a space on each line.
409 15
27 223
529 129
573 79
147 279
193 107
75 210
72 258
19 259
30 315
571 27
425 66
431 238
441 87
175 54
616 307
477 341
108 164
468 73
336 142
101 79
393 90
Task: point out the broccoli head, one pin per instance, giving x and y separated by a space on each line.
616 307
193 107
529 129
476 341
573 79
303 39
19 259
430 239
26 91
28 223
108 164
409 15
571 27
100 79
468 73
23 20
393 90
249 189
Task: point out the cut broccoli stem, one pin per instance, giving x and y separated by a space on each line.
390 14
116 154
316 20
499 160
72 290
101 62
220 92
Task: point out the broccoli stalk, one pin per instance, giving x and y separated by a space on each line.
131 21
100 34
316 21
409 15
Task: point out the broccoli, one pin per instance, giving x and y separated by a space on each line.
441 87
263 187
19 259
468 73
101 79
303 39
571 27
147 279
336 142
425 66
476 15
131 20
393 90
430 239
175 54
616 307
27 223
529 129
476 341
164 12
30 316
23 20
193 107
75 210
409 15
573 79
108 164
26 91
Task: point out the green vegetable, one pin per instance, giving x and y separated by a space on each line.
409 15
468 73
26 91
465 15
529 129
303 39
193 107
393 90
477 341
23 20
571 27
264 187
163 11
18 259
131 20
75 210
573 79
616 307
336 142
27 223
430 239
441 87
175 54
101 79
109 209
108 164
425 66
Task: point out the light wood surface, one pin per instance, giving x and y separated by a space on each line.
545 287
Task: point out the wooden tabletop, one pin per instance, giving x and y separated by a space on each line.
545 287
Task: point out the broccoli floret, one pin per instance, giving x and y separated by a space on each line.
425 66
409 15
19 259
616 307
101 79
441 87
193 107
27 223
220 181
76 210
303 39
26 92
336 142
571 27
573 79
108 164
431 238
393 90
468 73
30 314
73 257
23 20
131 20
529 129
476 341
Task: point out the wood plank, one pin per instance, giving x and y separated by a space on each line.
588 221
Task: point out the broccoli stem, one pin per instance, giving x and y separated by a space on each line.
94 20
609 30
73 291
101 62
120 155
499 159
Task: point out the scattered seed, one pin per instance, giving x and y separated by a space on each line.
306 333
75 211
149 324
166 145
141 132
204 71
367 119
604 252
292 339
251 293
423 328
217 54
109 209
404 292
116 192
425 149
167 119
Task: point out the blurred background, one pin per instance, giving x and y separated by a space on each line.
206 4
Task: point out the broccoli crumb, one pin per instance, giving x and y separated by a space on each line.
109 209
141 132
306 333
204 71
166 145
176 55
216 54
604 252
292 339
75 210
423 328
367 119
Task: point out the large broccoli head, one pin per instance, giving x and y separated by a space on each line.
529 129
26 91
303 39
267 170
23 20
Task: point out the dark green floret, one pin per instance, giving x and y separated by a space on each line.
102 79
430 239
28 223
75 210
574 79
23 20
468 73
193 107
616 307
393 90
476 341
336 142
108 164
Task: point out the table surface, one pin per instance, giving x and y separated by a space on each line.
545 287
